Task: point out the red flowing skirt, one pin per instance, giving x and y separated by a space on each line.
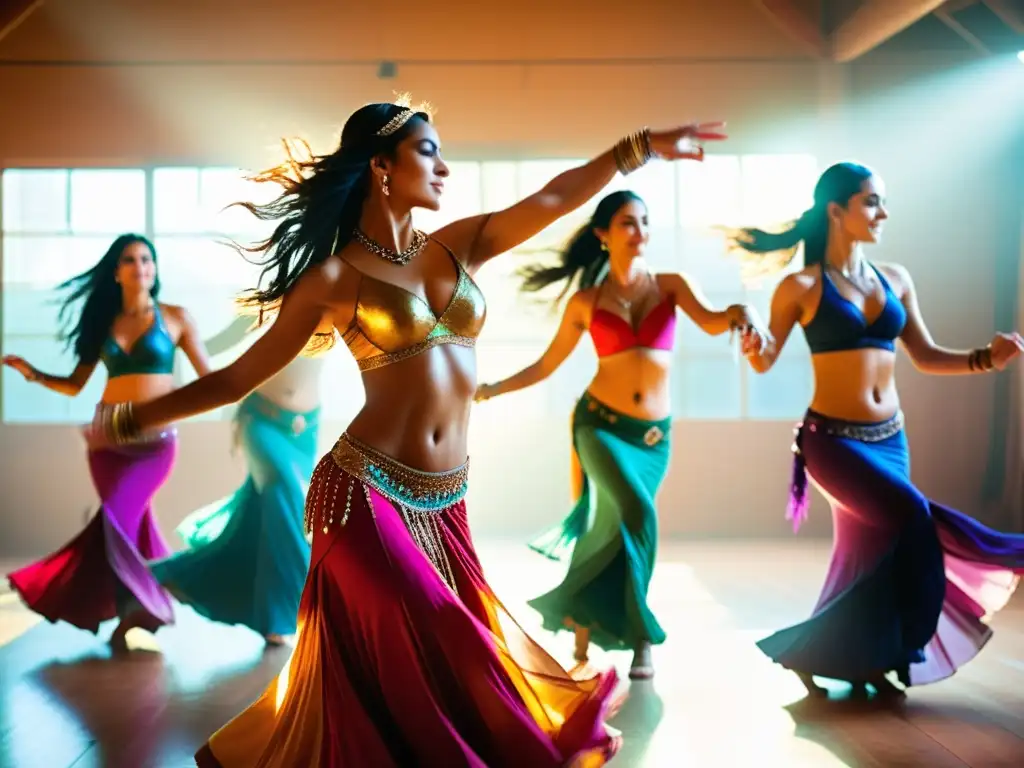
393 667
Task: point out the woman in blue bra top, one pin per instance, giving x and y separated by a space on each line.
910 580
404 656
101 573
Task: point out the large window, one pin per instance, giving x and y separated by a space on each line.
57 223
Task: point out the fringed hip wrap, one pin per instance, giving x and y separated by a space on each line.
873 432
420 497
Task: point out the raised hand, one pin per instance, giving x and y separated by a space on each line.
21 366
1004 348
686 142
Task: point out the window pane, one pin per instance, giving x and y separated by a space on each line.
709 192
25 402
463 197
706 387
176 200
777 188
204 262
553 398
108 201
35 200
45 262
219 188
656 184
498 184
702 256
782 393
511 314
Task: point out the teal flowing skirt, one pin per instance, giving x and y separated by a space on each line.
247 556
611 535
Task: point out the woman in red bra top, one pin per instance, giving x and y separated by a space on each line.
620 426
403 656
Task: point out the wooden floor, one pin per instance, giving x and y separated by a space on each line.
716 701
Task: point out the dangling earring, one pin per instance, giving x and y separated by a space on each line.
604 246
384 187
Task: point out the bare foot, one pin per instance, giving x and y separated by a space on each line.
582 644
813 689
642 667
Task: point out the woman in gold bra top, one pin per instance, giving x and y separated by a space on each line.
404 656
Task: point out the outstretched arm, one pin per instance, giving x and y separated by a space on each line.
302 311
62 385
695 305
786 311
574 322
480 238
929 357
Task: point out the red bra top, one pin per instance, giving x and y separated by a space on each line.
611 333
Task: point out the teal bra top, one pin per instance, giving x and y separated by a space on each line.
152 352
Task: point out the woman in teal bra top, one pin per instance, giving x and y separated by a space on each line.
101 573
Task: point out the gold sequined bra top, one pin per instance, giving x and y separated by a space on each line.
393 324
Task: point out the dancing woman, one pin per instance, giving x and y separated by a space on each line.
246 556
911 582
404 656
621 424
101 573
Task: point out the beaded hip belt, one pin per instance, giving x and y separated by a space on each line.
865 433
410 488
419 496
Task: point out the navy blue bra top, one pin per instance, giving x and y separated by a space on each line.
152 352
838 325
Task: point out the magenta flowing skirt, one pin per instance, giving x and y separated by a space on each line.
102 573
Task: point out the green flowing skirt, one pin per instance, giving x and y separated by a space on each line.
611 533
247 556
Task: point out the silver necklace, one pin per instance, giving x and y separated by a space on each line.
622 301
419 241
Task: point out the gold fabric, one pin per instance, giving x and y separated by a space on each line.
393 324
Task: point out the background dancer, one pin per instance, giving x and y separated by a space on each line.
621 424
102 572
911 583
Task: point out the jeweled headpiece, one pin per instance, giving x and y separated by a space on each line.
396 122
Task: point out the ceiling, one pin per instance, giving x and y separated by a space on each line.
845 30
838 30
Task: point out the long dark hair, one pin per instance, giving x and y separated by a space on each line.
99 295
321 199
775 250
582 260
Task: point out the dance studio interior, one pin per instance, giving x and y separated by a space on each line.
212 551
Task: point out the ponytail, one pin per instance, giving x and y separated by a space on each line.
773 251
583 260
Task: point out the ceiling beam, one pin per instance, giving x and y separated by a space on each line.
874 22
798 22
1010 13
13 12
962 31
